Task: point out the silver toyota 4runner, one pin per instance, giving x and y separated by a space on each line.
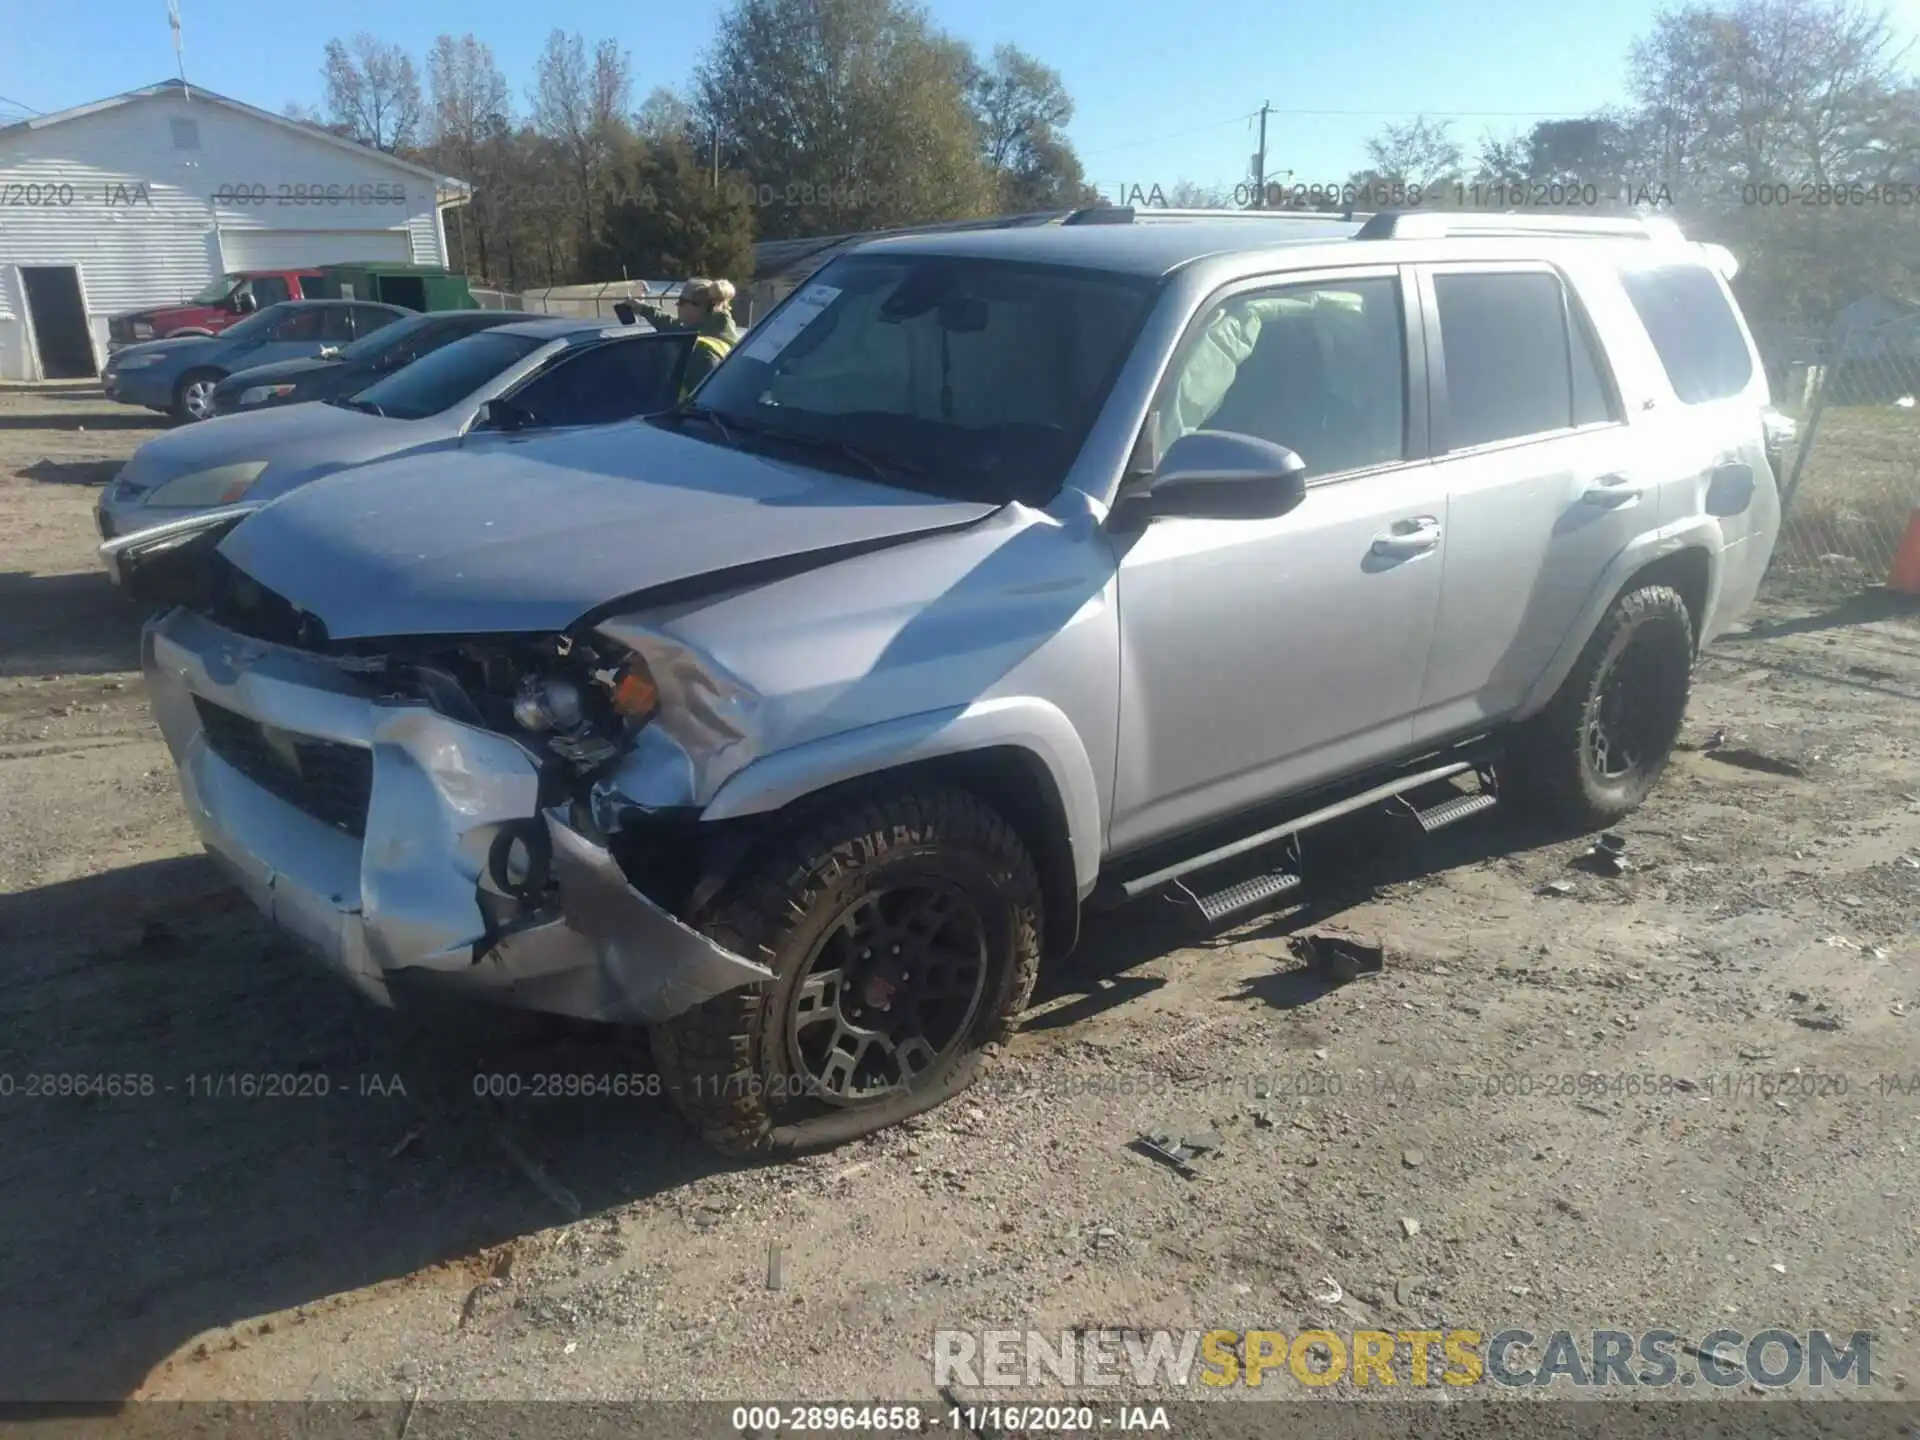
995 573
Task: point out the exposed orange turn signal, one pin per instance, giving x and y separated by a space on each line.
635 696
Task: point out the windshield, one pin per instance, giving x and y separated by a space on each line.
387 337
217 292
449 375
977 379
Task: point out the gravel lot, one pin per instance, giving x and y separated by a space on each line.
401 1234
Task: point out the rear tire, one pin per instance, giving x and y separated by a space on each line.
846 1039
1595 752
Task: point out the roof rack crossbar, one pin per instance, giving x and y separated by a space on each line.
1441 225
1131 215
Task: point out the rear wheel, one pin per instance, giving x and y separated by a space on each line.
1593 754
193 396
903 935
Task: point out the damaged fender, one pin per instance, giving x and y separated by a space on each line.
1022 722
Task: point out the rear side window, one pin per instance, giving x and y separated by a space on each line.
1693 328
1508 357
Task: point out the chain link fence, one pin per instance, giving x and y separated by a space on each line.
582 301
1852 483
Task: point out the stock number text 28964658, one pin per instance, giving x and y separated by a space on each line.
242 194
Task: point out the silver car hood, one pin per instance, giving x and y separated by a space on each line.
291 438
530 535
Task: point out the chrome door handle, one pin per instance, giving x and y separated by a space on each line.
1409 537
1614 492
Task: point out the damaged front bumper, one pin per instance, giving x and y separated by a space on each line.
361 824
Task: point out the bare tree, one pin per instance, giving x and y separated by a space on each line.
580 104
1421 152
664 115
1192 195
467 117
1769 91
371 89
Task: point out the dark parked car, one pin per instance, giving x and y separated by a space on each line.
341 372
178 375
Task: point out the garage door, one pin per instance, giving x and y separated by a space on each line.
290 249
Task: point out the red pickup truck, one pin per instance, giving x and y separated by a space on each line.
227 301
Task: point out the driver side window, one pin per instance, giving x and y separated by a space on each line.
1319 368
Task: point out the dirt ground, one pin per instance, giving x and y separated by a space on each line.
1755 975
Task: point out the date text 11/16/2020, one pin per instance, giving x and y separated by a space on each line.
202 1085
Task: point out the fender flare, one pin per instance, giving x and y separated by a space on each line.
1698 532
1025 722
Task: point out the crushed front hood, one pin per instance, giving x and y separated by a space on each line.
504 535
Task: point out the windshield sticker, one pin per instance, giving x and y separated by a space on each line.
784 328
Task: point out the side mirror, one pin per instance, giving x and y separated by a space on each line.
1220 475
246 304
500 415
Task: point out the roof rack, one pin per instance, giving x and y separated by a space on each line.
1132 215
1443 225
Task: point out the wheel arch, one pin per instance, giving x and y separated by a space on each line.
1686 559
1021 756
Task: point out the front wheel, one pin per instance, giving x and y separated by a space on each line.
903 935
193 396
1593 754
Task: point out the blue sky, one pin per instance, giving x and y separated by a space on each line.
1164 91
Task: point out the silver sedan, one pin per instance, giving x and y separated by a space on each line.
536 375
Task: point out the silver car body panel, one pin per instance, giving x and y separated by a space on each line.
1157 677
402 903
530 534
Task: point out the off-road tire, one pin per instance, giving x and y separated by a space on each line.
726 1062
1551 769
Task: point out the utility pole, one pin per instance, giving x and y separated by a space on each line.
716 154
1260 162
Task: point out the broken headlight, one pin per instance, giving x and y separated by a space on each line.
586 709
584 701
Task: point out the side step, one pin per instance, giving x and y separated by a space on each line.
1447 812
1261 888
1141 884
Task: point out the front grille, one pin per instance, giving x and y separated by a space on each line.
327 780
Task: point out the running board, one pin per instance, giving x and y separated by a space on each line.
1448 812
1261 888
1135 888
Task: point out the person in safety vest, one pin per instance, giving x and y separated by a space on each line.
704 306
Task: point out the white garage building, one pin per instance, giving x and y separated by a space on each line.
149 197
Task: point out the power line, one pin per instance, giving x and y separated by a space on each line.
18 106
1450 114
1349 114
1178 134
